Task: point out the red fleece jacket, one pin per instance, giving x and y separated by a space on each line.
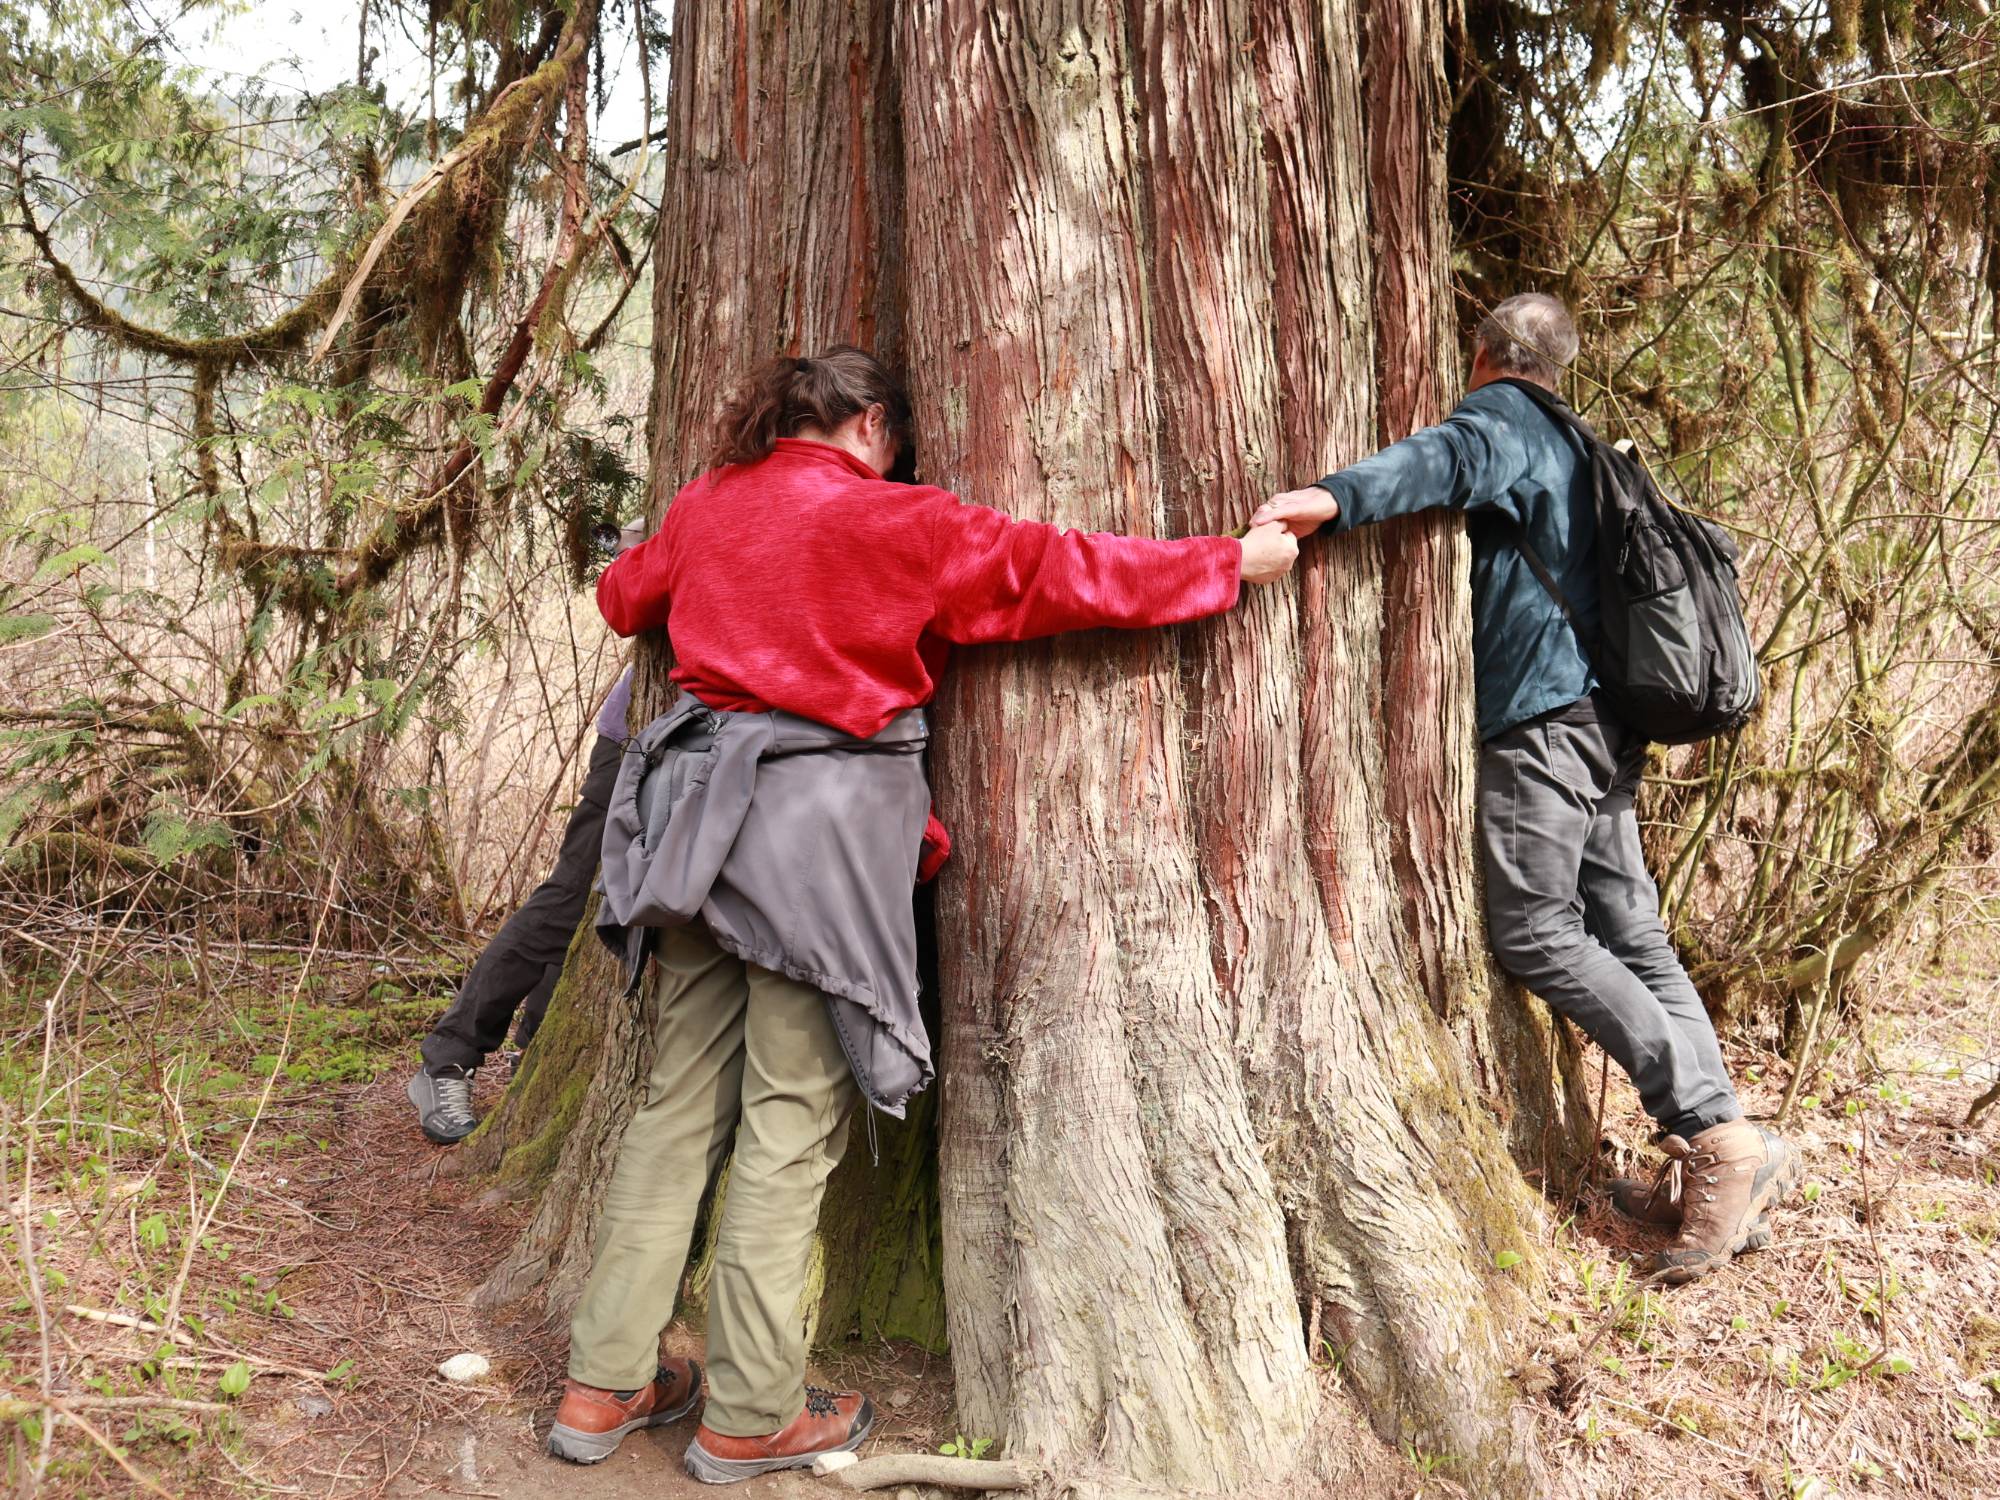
808 583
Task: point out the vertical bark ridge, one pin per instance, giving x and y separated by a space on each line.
1122 272
1211 302
1087 988
1524 1065
1426 631
1410 1193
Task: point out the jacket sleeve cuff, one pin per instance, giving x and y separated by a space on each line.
1346 520
1229 570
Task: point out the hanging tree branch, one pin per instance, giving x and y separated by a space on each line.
309 581
282 335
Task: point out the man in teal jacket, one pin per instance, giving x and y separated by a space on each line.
1572 912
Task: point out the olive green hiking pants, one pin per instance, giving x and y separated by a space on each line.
739 1051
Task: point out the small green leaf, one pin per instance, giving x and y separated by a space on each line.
1506 1260
25 627
236 1379
72 560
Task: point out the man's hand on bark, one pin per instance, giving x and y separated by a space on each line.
1301 512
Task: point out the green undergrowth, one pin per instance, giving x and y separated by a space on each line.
155 1125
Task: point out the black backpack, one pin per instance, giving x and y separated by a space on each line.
1673 654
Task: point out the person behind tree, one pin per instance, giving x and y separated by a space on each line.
518 970
810 604
1572 912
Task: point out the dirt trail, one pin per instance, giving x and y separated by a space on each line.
392 1254
500 1458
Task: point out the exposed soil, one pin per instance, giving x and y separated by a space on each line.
1858 1356
392 1259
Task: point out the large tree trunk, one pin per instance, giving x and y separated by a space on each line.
1227 1084
1192 1050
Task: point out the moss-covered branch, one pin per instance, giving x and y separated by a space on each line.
282 335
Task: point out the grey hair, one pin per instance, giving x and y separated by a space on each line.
1530 335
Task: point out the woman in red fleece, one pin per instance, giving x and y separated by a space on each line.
794 580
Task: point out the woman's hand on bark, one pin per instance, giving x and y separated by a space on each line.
1268 553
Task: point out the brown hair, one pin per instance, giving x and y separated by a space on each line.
787 395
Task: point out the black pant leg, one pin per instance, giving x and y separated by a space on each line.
525 958
536 1006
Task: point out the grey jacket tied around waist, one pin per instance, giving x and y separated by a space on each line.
796 844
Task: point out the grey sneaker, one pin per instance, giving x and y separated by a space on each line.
444 1104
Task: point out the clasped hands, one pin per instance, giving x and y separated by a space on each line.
1271 544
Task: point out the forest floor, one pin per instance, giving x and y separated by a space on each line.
1860 1354
222 1146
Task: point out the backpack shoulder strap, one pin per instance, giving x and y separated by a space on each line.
1519 536
1559 411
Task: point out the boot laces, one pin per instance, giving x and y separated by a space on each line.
1688 1166
1668 1181
454 1093
820 1403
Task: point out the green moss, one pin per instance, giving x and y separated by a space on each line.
520 1142
1982 1343
1478 1178
877 1264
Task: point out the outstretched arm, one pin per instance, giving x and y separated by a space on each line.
1469 461
632 592
999 579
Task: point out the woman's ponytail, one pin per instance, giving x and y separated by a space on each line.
787 395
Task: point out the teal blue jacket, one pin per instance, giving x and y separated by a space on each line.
1505 463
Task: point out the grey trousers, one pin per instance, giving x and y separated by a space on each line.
1574 915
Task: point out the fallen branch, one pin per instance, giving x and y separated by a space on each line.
1980 1105
925 1468
184 1341
66 850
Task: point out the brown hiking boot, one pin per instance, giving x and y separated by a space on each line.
1658 1202
591 1423
1655 1202
1730 1176
833 1422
